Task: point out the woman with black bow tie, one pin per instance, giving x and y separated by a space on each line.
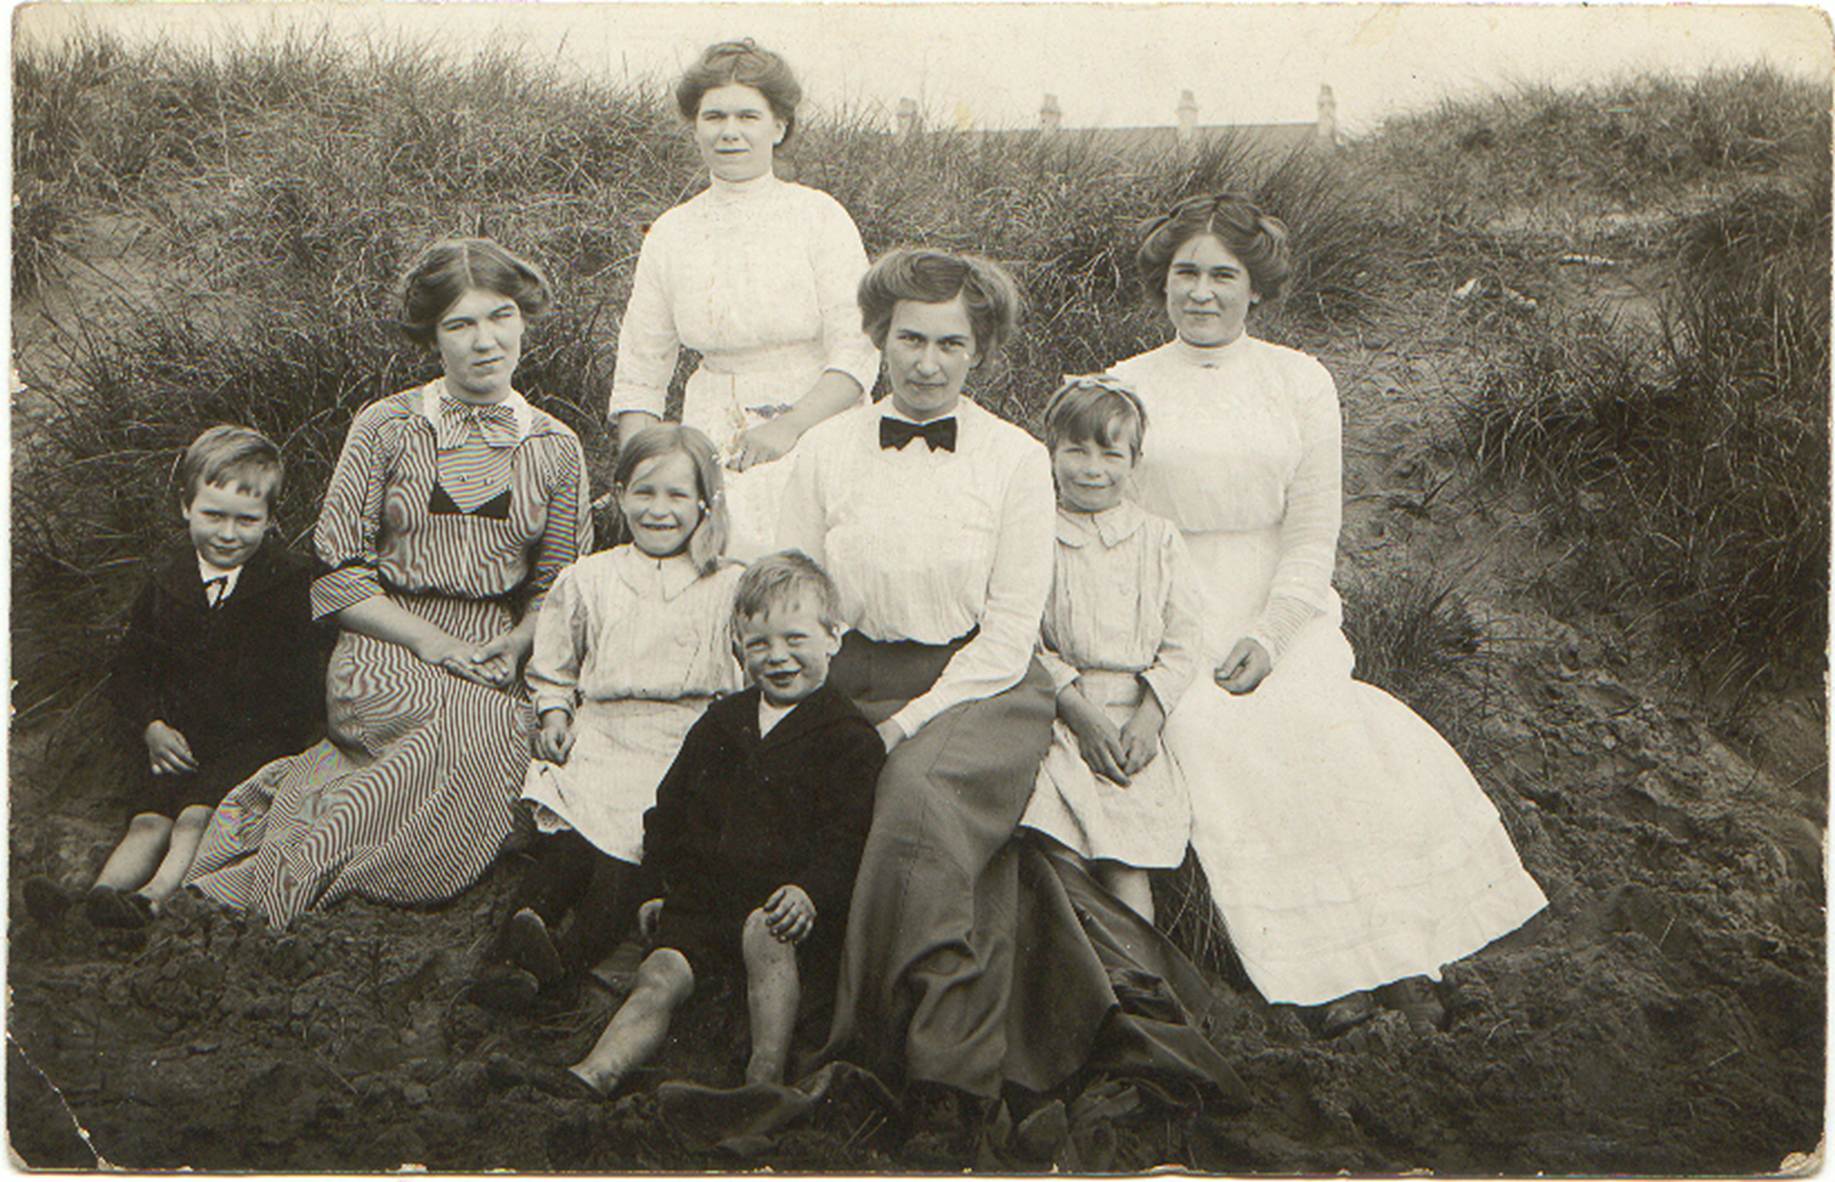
965 962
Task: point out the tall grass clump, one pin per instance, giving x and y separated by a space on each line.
1062 211
255 204
1692 466
1416 636
296 180
1624 144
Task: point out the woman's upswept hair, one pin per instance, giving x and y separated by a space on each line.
449 268
1256 238
777 579
746 63
1095 406
241 459
937 277
708 541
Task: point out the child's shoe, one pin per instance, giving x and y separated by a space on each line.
504 987
505 1072
1353 1009
1414 998
527 944
108 907
45 901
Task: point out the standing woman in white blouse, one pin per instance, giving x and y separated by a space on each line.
1346 844
758 276
969 961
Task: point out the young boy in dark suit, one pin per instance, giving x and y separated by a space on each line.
220 672
753 842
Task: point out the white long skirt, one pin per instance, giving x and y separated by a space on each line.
725 397
621 750
1345 842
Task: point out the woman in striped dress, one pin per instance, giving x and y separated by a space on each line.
452 509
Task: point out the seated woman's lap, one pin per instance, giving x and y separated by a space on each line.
409 797
377 692
928 970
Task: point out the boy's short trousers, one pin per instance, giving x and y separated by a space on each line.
713 944
219 772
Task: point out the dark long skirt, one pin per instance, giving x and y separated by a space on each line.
972 958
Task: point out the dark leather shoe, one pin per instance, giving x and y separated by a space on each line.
505 1072
504 987
107 907
1414 998
1353 1009
526 943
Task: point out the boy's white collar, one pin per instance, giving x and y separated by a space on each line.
208 570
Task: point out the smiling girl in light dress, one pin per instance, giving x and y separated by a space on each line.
1121 639
632 647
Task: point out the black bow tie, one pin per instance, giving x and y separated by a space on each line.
938 433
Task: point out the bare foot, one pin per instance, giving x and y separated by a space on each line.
763 1070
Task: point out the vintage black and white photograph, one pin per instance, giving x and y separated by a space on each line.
914 588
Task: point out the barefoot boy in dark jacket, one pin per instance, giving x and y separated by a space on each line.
756 834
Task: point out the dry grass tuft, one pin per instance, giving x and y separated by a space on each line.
275 190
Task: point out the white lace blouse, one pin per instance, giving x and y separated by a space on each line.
755 275
1247 437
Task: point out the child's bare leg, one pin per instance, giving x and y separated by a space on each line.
138 856
664 981
187 832
772 991
1128 884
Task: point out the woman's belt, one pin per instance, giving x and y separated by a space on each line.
765 359
920 645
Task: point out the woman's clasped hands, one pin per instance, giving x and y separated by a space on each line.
493 664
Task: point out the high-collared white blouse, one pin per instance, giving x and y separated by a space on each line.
1123 599
1246 437
619 624
928 545
757 276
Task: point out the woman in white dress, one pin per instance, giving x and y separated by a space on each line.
1346 844
756 274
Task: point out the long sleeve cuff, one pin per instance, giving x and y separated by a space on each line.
630 396
1168 685
344 587
1061 672
1281 622
916 713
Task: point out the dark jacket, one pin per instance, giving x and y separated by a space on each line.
248 675
737 816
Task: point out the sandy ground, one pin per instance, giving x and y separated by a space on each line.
1665 1015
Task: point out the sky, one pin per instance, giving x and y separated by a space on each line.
989 65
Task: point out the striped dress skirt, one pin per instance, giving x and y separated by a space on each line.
407 800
